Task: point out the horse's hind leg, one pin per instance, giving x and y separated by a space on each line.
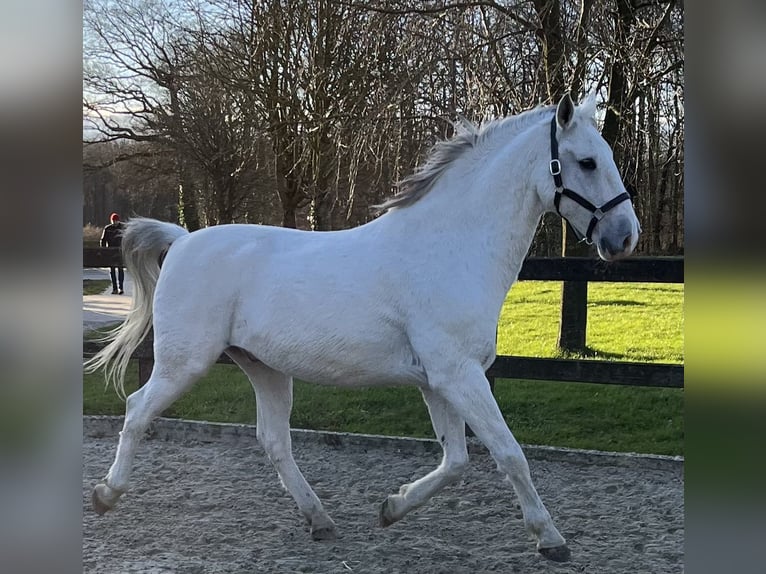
274 401
169 380
450 432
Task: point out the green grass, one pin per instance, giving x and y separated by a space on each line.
94 286
626 322
632 322
562 414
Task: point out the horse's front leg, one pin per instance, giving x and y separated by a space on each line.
450 432
467 390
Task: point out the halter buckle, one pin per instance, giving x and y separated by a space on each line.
555 167
598 214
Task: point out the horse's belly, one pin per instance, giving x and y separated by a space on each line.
354 374
332 359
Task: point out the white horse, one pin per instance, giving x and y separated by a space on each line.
412 297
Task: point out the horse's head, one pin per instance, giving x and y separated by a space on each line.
589 192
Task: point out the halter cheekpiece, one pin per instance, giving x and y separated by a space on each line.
597 212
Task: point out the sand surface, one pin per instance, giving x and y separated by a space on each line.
217 506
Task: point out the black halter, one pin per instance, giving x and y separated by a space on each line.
598 212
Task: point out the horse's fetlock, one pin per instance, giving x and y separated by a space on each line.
455 469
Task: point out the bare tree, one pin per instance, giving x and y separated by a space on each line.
306 113
147 81
130 178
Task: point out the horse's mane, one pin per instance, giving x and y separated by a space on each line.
467 136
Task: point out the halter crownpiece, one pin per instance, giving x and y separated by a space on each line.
597 212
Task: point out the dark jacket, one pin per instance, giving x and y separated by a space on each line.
112 235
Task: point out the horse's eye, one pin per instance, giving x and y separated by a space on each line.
588 163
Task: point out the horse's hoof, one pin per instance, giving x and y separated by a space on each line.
557 553
386 514
324 533
99 503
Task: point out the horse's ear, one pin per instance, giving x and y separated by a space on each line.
588 105
463 123
565 111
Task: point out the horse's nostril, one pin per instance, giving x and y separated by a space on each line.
626 243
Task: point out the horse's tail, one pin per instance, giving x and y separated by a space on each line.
144 243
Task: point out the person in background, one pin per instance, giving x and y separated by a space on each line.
112 237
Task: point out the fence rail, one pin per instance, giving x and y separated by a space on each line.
633 270
101 257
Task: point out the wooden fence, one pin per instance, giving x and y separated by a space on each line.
631 270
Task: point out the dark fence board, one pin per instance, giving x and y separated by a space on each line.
588 371
631 270
510 367
101 257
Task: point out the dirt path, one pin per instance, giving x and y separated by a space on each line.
215 505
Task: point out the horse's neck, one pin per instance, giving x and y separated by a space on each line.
483 220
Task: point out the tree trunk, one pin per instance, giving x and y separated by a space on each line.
285 181
549 12
288 216
187 203
619 98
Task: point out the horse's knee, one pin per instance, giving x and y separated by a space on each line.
276 449
513 463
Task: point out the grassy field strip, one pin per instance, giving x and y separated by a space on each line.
95 286
626 321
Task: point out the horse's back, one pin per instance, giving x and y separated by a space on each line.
274 259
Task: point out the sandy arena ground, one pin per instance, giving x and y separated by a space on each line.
207 502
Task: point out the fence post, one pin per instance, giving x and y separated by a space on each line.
491 381
145 355
574 317
574 299
144 370
491 378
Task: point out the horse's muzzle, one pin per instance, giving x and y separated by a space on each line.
618 242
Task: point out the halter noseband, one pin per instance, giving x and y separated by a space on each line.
598 212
